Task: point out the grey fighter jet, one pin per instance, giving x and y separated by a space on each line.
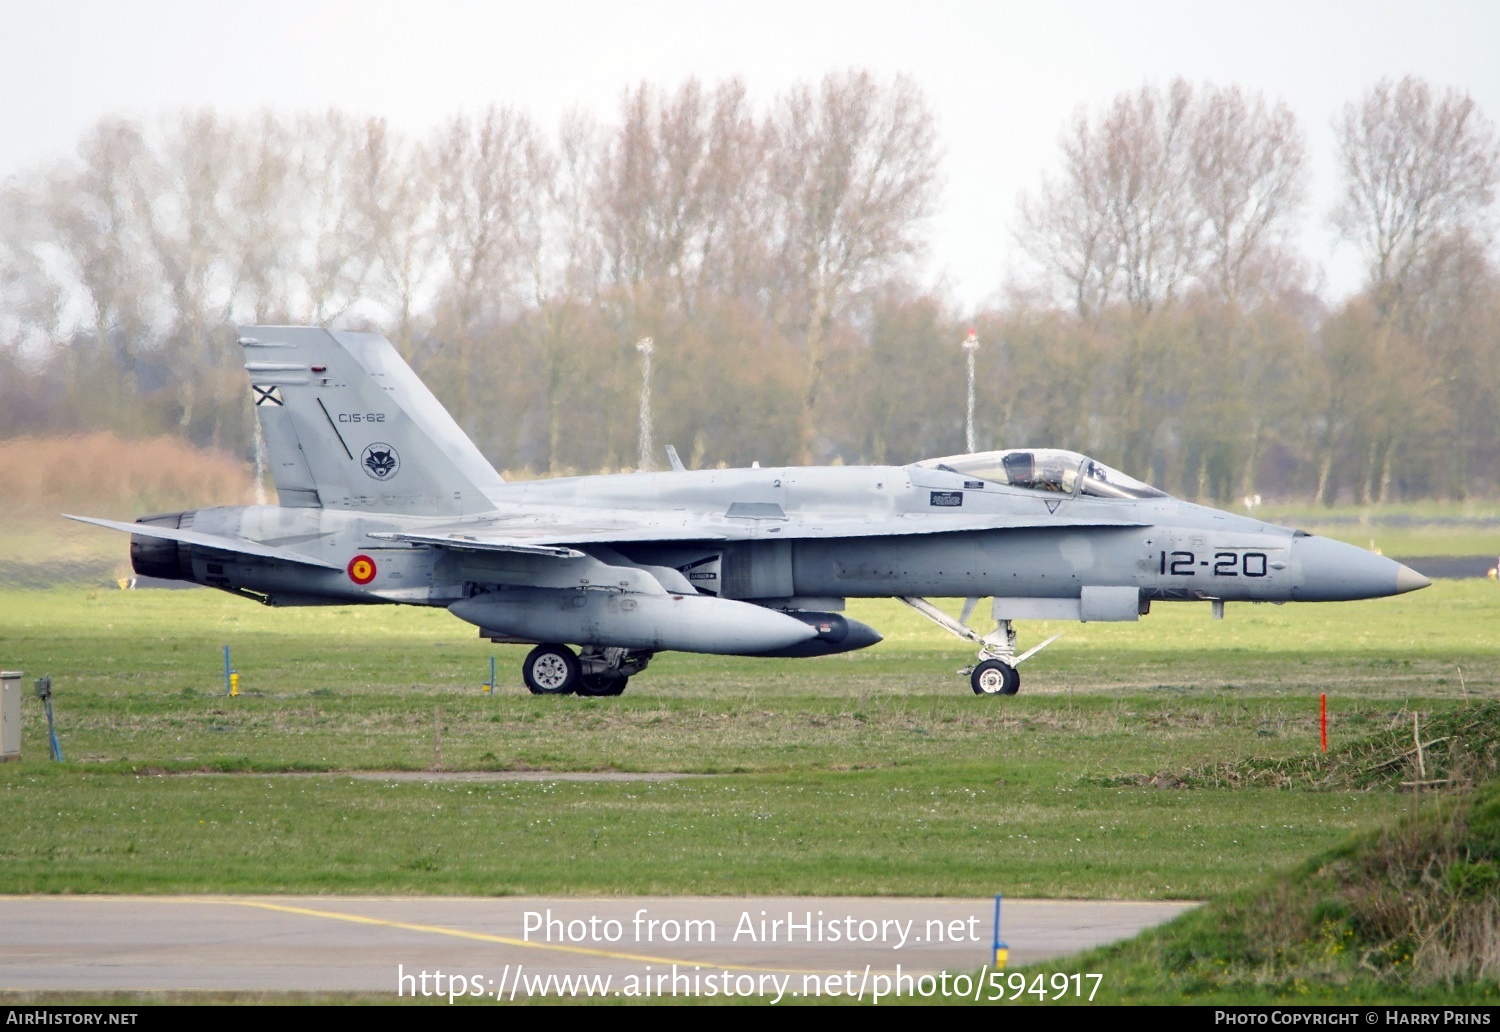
384 499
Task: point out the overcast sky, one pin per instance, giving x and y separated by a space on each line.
1002 77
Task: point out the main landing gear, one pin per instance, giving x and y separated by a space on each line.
996 672
557 670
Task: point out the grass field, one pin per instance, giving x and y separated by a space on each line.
1408 914
876 772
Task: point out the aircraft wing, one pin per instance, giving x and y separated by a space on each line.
215 541
837 525
481 542
546 539
549 535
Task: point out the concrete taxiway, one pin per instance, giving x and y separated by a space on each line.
499 947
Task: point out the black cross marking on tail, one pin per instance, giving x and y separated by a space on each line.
266 395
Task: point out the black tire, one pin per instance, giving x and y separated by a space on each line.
993 677
598 685
551 670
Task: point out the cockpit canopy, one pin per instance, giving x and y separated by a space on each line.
1046 469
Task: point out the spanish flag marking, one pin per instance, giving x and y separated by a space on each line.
361 569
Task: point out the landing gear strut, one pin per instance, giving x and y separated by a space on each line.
556 670
996 672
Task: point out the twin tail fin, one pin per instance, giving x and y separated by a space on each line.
348 425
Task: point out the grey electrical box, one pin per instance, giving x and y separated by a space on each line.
10 714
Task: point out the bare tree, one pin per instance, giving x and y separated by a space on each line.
393 199
186 192
1417 168
59 299
1140 172
1248 179
735 256
581 265
567 288
854 177
1163 193
1067 227
98 216
1122 218
488 175
769 250
650 203
266 229
342 169
1147 164
32 300
493 175
676 184
1420 172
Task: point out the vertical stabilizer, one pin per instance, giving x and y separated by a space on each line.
349 426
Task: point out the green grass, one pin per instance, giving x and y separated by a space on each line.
952 832
1407 913
876 772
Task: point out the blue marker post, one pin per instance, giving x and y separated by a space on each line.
43 689
1002 951
226 669
231 677
489 686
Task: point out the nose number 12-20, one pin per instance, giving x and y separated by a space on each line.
1223 564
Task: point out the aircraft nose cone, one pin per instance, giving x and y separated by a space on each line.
1408 579
1331 571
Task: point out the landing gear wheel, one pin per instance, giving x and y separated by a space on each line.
601 684
551 670
993 677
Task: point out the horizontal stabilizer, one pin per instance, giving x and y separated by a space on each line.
239 546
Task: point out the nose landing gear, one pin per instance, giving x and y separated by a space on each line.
996 672
995 677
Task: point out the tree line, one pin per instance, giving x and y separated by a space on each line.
1165 322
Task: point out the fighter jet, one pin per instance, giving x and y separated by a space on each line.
384 499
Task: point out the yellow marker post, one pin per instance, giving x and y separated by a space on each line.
234 682
1002 950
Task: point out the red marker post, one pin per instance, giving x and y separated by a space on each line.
1323 719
